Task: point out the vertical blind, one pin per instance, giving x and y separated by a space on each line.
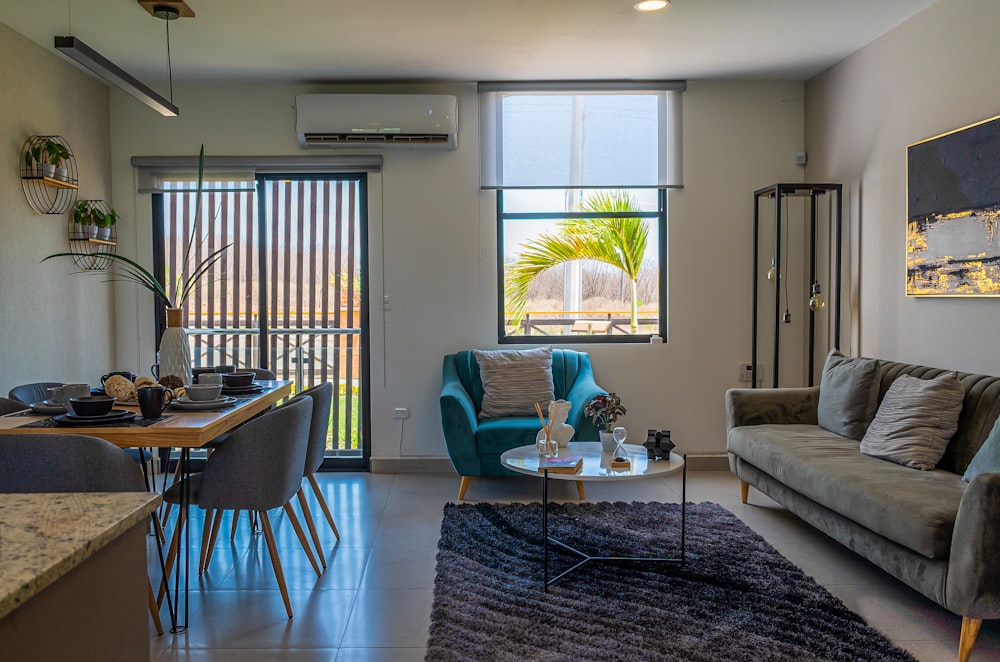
580 134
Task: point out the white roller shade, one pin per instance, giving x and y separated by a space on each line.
581 135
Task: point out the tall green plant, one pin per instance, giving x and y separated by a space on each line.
619 242
128 270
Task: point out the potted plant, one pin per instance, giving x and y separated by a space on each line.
81 219
604 410
104 221
57 154
175 352
46 157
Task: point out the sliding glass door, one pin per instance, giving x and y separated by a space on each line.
290 295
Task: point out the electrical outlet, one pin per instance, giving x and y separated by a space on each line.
746 373
401 412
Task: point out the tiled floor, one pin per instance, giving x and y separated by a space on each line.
373 602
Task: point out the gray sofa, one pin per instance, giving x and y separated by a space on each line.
930 529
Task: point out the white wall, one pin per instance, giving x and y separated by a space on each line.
932 74
54 326
434 247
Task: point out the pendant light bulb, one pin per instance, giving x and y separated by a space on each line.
772 273
787 317
816 300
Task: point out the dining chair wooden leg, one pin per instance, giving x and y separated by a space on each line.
302 537
311 524
154 610
232 529
206 532
216 526
171 555
158 528
579 489
322 504
272 549
177 477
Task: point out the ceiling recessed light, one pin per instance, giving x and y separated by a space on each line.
651 5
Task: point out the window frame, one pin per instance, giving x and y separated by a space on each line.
662 253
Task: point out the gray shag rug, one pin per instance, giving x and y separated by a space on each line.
736 598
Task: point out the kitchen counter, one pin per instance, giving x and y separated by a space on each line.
44 536
74 564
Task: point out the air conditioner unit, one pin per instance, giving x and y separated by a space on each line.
377 120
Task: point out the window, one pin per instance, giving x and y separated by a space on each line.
581 177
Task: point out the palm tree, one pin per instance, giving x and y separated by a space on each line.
619 242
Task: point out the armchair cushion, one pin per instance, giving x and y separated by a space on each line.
496 435
514 380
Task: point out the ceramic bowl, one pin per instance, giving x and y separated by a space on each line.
92 405
203 392
238 378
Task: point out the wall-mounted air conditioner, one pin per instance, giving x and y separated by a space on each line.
377 120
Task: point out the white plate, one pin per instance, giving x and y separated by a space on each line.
201 405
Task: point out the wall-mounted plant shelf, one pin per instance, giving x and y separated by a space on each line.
93 252
48 174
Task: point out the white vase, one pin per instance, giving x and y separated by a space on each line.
175 353
607 441
104 233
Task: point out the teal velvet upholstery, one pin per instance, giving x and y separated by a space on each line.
474 445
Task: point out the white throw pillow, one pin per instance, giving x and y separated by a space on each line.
916 420
514 380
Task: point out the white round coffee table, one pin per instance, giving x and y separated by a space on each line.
596 466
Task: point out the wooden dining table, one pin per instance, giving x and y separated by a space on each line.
177 428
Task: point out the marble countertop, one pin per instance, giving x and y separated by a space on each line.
44 536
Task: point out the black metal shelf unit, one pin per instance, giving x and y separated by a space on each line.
778 192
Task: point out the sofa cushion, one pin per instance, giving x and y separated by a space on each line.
915 509
514 380
496 435
915 421
848 394
987 460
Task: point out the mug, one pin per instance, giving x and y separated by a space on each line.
124 373
155 370
153 400
196 374
74 391
210 378
56 394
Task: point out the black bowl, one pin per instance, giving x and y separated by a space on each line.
238 378
93 405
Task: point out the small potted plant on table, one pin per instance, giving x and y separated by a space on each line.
604 410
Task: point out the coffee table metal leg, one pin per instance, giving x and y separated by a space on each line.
587 558
545 528
684 484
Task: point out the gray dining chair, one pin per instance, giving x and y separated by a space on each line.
11 406
321 396
28 393
257 469
259 373
32 463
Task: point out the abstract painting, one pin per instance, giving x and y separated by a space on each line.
953 213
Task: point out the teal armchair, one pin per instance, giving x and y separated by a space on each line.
474 444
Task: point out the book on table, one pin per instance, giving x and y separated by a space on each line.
561 465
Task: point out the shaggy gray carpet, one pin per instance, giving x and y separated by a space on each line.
735 599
